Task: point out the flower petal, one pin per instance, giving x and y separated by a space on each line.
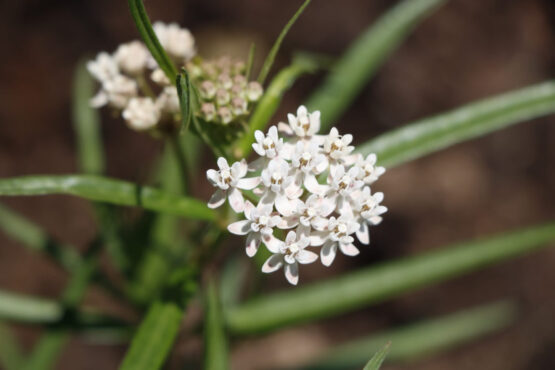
236 200
248 183
292 273
217 199
349 249
328 252
272 243
240 227
362 233
272 264
253 242
306 257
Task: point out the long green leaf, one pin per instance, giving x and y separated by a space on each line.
19 307
184 93
377 360
378 283
154 339
108 190
428 135
422 338
269 103
11 355
269 61
365 56
215 356
149 37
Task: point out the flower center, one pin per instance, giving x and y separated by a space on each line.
277 178
263 220
226 176
345 182
268 144
337 144
340 230
292 249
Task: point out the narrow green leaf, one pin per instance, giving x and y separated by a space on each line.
250 61
216 353
268 105
365 56
33 237
378 283
11 355
149 37
108 190
428 135
377 360
184 93
19 307
269 61
422 338
46 351
154 339
86 123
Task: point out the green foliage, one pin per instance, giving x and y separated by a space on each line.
363 58
376 361
154 338
429 135
269 103
19 307
148 35
184 93
11 356
269 61
378 283
108 190
422 338
215 357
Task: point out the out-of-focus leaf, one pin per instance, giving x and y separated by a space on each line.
19 307
378 283
250 61
365 56
86 123
11 355
149 37
216 352
422 338
233 277
269 61
269 103
108 190
184 93
377 360
154 339
431 134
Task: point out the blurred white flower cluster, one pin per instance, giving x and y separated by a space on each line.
311 187
131 82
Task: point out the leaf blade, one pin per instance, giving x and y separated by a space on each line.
378 283
377 360
216 352
365 56
103 189
184 93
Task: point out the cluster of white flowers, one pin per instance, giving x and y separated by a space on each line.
131 82
312 185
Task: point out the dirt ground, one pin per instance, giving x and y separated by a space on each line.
467 50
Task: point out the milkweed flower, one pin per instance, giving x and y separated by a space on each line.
313 186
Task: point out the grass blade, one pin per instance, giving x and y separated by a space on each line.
108 190
216 353
428 135
150 39
365 56
268 105
11 356
423 338
378 283
377 360
184 93
154 339
250 61
269 61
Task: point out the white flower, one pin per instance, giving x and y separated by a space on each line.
337 146
178 42
258 225
132 57
314 211
269 145
304 124
289 255
370 210
116 92
229 180
340 235
281 187
141 114
103 68
159 77
344 183
168 100
369 172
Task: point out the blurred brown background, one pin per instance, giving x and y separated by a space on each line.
467 50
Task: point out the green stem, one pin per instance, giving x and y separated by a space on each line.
184 171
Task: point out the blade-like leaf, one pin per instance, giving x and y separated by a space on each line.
268 105
108 190
378 283
422 338
184 93
86 123
269 61
215 357
154 339
377 360
365 56
428 135
149 37
18 307
11 355
250 61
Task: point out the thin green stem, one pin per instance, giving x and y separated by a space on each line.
184 170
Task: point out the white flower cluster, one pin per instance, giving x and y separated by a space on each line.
132 83
312 185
